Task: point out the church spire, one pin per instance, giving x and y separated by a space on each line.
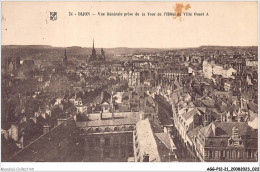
94 55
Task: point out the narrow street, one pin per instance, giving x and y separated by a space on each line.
165 111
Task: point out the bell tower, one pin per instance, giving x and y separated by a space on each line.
93 55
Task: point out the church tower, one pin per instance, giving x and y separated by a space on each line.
93 55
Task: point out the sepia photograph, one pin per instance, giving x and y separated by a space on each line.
86 82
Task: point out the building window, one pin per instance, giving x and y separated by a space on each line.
107 129
249 154
106 153
90 142
90 130
97 141
107 141
122 152
97 130
116 142
222 143
222 154
210 154
123 139
116 152
230 154
131 128
130 151
130 139
82 131
241 153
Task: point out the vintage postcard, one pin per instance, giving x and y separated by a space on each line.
88 82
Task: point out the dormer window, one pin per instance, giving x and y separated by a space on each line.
131 128
107 129
89 130
82 130
222 143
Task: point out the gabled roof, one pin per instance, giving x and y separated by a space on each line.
224 129
190 113
253 106
208 131
193 133
38 149
166 140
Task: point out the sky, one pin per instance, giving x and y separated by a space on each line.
227 24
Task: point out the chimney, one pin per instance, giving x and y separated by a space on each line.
101 115
113 115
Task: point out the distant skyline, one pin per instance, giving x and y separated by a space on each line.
228 24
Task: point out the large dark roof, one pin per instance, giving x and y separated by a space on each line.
44 147
224 129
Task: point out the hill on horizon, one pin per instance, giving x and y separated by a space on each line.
47 52
38 52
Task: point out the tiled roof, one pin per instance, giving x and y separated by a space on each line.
224 129
253 106
41 148
190 113
207 131
193 133
166 139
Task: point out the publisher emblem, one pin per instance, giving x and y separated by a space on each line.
53 16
